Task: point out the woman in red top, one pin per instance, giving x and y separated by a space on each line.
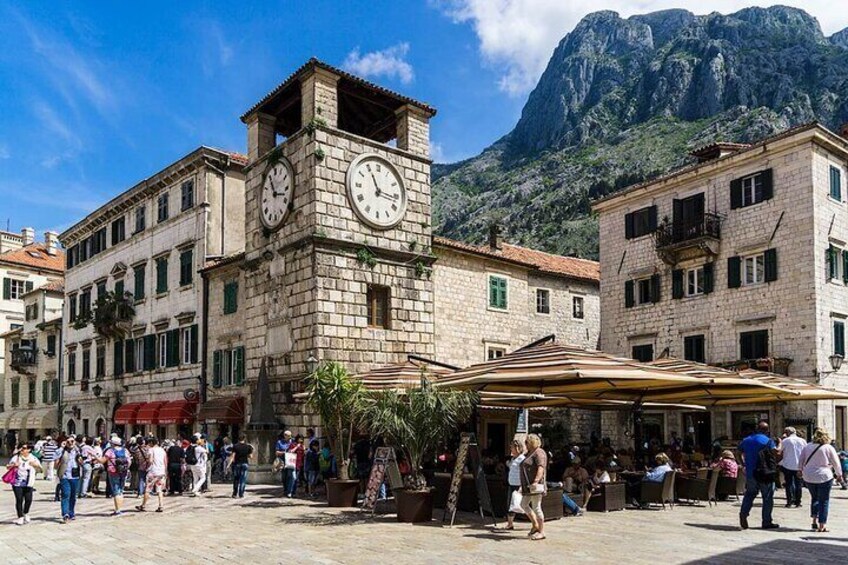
296 447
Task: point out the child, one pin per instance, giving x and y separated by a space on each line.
312 468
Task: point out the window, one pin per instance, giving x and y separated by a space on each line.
161 275
51 345
54 391
753 269
119 288
119 230
138 273
495 352
751 190
839 337
163 350
837 263
695 281
86 364
228 367
14 289
835 183
230 297
377 300
31 312
72 367
31 396
72 256
577 307
187 195
85 302
642 291
16 392
100 364
186 266
644 287
162 207
45 391
101 289
72 307
140 220
641 222
498 289
139 354
189 341
753 345
543 301
693 348
643 353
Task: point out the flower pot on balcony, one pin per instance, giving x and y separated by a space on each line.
414 505
341 493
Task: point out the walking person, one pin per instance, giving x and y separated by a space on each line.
117 462
790 448
516 452
88 454
176 460
239 458
533 485
26 466
758 454
157 465
198 467
48 455
820 465
284 441
141 459
68 469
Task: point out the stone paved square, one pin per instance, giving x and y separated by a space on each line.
265 528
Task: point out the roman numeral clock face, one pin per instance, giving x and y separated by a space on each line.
376 191
276 195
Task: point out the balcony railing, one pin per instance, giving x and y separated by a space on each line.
24 357
676 233
779 365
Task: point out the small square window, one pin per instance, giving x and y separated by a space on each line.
377 300
753 269
835 183
644 291
577 307
543 301
695 281
494 352
643 353
752 190
498 292
694 348
754 345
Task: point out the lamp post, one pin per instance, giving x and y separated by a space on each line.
311 363
97 390
836 361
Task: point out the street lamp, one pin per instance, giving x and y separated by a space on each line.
311 363
836 361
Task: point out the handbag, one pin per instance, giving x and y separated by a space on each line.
515 502
278 465
10 476
291 460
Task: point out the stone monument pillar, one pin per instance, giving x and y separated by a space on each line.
262 429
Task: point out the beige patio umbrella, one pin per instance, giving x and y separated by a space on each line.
401 376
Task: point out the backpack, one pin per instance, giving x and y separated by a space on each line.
191 455
765 470
121 462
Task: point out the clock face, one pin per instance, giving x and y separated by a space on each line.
276 196
376 191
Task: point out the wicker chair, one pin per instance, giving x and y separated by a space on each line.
608 497
698 489
728 486
658 493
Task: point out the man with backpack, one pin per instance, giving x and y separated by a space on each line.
117 461
759 455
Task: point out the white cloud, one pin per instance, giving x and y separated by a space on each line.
437 152
389 63
520 35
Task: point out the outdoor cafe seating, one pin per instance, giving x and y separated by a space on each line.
698 488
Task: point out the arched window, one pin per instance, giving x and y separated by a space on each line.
72 427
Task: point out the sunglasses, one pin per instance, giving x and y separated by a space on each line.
25 448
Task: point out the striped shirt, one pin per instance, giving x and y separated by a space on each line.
48 451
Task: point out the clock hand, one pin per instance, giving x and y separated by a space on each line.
386 195
376 186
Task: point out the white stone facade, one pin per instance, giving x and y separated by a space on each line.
796 309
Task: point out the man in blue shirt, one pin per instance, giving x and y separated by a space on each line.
751 447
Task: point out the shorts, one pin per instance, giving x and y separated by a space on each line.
312 478
116 484
154 482
532 504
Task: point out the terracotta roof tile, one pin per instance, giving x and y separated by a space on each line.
57 285
571 267
35 256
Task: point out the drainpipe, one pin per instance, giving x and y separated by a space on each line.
205 341
223 199
60 351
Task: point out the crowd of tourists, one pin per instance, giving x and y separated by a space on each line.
77 467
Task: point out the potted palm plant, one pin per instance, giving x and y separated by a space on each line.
338 399
415 422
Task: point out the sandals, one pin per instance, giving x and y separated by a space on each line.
159 509
823 529
537 536
814 527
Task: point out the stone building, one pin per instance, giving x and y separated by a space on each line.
24 265
143 371
32 378
740 259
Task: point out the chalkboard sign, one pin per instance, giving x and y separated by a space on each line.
384 461
468 451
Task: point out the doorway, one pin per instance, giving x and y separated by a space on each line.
697 429
496 438
688 217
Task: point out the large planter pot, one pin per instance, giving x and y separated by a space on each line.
414 506
341 493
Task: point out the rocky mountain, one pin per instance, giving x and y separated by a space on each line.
622 100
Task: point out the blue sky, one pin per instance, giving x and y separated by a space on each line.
95 96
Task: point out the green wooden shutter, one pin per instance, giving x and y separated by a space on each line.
54 391
629 300
709 278
161 275
839 338
7 289
734 272
770 264
149 352
845 267
735 194
173 348
129 356
119 288
493 292
28 286
830 258
768 184
138 274
216 369
16 392
503 293
186 267
677 284
45 392
118 358
628 226
193 343
655 288
238 370
652 218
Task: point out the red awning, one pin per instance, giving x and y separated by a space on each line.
177 412
149 413
128 413
228 410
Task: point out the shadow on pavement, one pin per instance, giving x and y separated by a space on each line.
782 551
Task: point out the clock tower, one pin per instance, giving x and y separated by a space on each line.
338 238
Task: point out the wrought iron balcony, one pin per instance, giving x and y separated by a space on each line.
24 357
688 239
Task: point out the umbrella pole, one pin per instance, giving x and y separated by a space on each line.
637 430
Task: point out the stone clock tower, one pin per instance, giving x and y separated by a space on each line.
338 231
